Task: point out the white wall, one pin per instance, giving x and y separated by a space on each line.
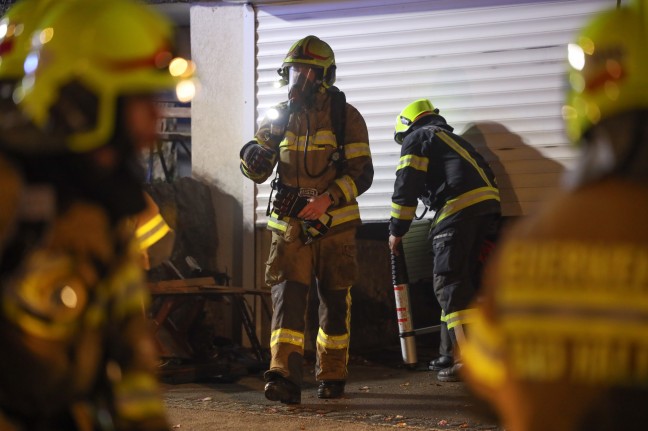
223 112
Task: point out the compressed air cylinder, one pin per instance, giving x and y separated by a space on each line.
403 311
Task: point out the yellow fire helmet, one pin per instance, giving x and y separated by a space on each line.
411 114
608 65
16 27
314 52
85 55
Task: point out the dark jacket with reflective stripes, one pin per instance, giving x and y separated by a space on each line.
436 163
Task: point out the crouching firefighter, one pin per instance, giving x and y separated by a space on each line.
319 144
451 178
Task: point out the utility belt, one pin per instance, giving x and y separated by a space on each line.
289 201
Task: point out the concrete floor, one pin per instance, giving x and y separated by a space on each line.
379 393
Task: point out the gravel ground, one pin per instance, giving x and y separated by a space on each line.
378 396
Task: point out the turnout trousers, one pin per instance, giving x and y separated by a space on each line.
290 269
458 253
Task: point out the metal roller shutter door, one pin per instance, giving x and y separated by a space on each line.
494 68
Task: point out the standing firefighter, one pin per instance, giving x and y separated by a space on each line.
456 183
320 146
77 351
561 338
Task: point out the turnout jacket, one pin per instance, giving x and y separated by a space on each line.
447 173
73 333
562 319
306 154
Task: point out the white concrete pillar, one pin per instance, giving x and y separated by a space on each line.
223 119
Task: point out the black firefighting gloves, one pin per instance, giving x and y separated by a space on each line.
257 158
287 201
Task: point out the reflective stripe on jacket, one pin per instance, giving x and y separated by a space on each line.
436 162
565 301
307 151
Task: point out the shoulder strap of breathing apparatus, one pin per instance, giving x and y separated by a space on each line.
338 121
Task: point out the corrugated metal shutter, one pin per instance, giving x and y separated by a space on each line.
496 72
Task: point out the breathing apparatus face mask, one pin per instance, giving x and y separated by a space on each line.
303 82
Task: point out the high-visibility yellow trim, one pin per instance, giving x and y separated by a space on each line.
356 149
338 342
277 223
482 353
463 153
149 225
345 214
465 200
151 232
577 326
593 301
419 163
136 396
402 212
323 140
287 336
461 317
348 187
251 175
348 319
332 341
572 266
339 215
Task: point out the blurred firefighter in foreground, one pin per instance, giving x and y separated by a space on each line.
453 180
561 340
320 145
77 351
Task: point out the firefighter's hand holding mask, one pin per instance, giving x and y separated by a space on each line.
257 158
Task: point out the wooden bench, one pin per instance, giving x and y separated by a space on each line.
175 293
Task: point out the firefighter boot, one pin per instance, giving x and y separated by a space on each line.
451 374
279 388
330 389
441 363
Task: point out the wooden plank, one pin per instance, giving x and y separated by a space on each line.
199 286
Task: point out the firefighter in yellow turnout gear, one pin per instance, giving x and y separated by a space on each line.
319 144
561 339
77 350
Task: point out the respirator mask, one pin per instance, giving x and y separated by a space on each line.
303 82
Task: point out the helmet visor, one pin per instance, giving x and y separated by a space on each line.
303 82
303 78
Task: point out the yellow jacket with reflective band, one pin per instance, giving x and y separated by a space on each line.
436 162
309 139
564 304
73 320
